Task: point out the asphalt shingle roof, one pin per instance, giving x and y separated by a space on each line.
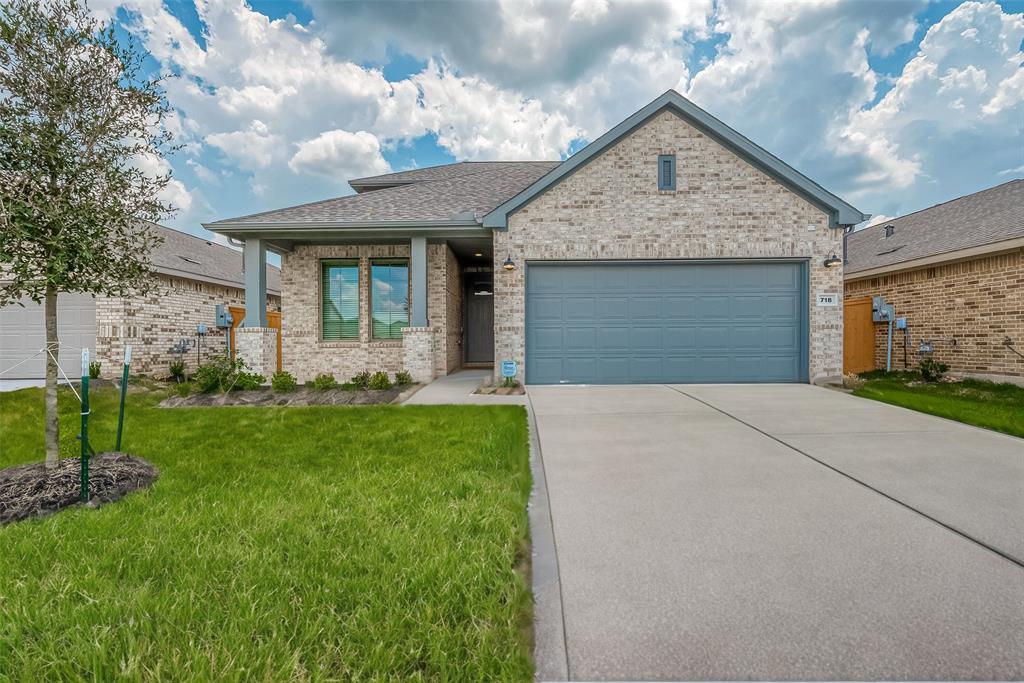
196 258
438 193
443 172
986 217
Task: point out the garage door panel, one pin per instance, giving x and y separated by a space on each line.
707 322
23 335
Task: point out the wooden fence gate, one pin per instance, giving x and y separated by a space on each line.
273 322
858 336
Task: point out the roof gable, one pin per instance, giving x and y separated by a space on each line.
840 212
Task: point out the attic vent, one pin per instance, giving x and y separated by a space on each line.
186 258
889 251
889 230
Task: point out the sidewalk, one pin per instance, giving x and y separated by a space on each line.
458 387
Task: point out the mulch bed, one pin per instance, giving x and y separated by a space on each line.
34 491
302 396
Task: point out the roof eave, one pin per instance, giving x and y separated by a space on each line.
965 254
840 212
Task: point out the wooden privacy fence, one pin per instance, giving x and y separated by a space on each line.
273 322
858 336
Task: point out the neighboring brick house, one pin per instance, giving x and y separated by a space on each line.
192 276
955 272
670 249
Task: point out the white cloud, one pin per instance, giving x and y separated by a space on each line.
340 155
254 148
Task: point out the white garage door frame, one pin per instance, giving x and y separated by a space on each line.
23 333
802 263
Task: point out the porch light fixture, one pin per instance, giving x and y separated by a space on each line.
478 253
509 264
832 260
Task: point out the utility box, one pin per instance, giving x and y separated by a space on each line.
224 318
881 312
901 323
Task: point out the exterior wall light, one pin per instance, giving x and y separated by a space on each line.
509 264
832 260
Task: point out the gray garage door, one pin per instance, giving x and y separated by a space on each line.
22 334
673 322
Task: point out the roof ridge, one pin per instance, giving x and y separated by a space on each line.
935 206
366 179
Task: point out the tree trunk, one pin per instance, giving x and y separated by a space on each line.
52 426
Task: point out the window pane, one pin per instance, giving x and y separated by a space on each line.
389 298
340 304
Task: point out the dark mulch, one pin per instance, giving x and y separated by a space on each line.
34 491
302 396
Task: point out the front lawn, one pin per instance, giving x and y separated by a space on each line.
321 543
983 404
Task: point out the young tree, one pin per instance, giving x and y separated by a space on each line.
79 120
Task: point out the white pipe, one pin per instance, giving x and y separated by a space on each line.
888 350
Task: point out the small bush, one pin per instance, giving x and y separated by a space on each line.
220 373
283 381
178 369
361 379
94 370
932 370
509 382
403 378
380 381
183 388
247 381
325 381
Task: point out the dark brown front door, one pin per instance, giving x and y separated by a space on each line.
479 324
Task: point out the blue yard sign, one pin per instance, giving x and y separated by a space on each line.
508 368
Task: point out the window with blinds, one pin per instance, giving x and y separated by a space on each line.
389 298
339 288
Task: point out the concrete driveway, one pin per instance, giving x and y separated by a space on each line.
776 532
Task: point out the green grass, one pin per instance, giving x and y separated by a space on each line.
321 543
984 404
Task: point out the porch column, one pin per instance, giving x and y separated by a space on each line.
418 275
254 255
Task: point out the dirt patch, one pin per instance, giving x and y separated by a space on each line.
303 396
517 390
34 491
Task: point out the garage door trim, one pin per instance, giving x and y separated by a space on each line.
804 292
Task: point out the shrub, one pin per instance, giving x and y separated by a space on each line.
283 381
403 378
183 389
325 381
220 373
932 370
94 370
509 382
247 381
380 381
361 379
178 369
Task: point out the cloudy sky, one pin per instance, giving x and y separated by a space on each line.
893 104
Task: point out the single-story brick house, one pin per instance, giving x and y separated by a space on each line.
192 276
670 249
955 272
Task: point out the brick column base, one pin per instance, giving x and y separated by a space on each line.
418 346
257 346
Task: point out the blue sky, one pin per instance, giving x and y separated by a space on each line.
894 105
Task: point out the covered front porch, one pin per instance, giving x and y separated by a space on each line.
419 300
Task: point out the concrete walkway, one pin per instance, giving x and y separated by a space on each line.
712 533
458 387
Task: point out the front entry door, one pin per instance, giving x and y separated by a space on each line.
479 324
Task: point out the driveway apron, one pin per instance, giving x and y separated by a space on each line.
692 545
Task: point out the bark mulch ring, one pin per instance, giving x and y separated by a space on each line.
34 491
302 396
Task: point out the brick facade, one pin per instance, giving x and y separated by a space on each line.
722 207
257 346
453 312
978 303
152 323
305 354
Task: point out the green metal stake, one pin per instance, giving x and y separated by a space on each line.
124 390
85 427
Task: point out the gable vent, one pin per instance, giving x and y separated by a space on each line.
890 230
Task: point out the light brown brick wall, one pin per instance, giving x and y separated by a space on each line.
978 303
453 312
152 323
722 208
305 355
